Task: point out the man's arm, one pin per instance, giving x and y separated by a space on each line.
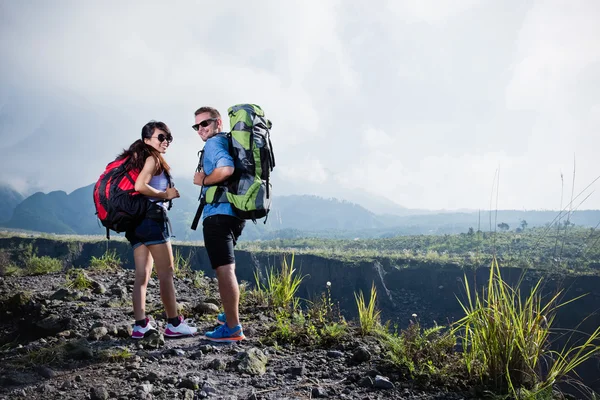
218 175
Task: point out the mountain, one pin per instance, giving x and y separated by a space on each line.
9 199
291 216
57 212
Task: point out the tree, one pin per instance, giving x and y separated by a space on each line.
523 224
503 226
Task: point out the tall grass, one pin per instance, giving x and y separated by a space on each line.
108 262
368 315
506 337
281 286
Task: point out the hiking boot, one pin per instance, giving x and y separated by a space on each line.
140 332
186 327
224 334
221 318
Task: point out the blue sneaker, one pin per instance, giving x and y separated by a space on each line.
224 334
221 318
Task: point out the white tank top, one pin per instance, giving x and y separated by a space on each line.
159 182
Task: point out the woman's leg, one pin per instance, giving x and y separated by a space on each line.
163 261
143 268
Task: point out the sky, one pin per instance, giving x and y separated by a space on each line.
441 104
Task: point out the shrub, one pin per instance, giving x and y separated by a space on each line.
506 338
42 265
77 279
108 262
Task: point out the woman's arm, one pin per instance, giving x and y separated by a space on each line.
143 180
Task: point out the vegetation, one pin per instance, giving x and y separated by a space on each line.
78 279
368 315
281 286
506 339
108 262
568 250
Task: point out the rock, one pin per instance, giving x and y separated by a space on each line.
382 383
252 362
192 383
178 352
65 295
319 392
335 354
119 292
206 308
45 372
124 331
366 382
98 393
361 354
217 364
52 325
98 288
17 302
152 377
208 389
97 333
206 348
298 370
188 394
153 341
145 388
79 350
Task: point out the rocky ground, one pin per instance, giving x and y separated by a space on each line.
60 343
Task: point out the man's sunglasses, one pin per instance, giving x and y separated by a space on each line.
162 137
204 123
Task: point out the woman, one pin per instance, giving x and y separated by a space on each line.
151 238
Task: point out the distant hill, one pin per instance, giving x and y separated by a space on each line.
291 216
9 199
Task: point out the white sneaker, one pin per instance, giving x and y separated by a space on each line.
140 332
186 327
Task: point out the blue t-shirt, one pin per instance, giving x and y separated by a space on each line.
216 155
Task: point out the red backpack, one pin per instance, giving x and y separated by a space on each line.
118 206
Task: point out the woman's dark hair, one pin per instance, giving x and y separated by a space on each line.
139 151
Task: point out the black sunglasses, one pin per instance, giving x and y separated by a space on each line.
162 137
204 123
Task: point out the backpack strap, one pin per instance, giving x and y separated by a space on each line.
169 184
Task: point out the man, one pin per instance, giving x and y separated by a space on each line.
221 226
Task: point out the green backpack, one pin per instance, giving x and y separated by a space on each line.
249 188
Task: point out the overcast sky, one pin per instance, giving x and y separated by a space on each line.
421 102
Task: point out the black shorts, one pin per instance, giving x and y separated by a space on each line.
154 229
221 233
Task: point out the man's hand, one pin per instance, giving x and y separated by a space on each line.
199 177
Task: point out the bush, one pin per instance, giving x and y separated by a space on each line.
506 339
77 279
42 265
108 262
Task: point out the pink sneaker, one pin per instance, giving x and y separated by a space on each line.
140 332
186 327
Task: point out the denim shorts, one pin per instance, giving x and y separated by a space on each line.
221 233
150 231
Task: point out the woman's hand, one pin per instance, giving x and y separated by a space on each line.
172 193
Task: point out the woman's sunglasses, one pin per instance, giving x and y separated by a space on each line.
204 123
162 137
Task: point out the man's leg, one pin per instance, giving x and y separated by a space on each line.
230 293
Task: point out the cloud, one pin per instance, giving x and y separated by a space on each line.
417 102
